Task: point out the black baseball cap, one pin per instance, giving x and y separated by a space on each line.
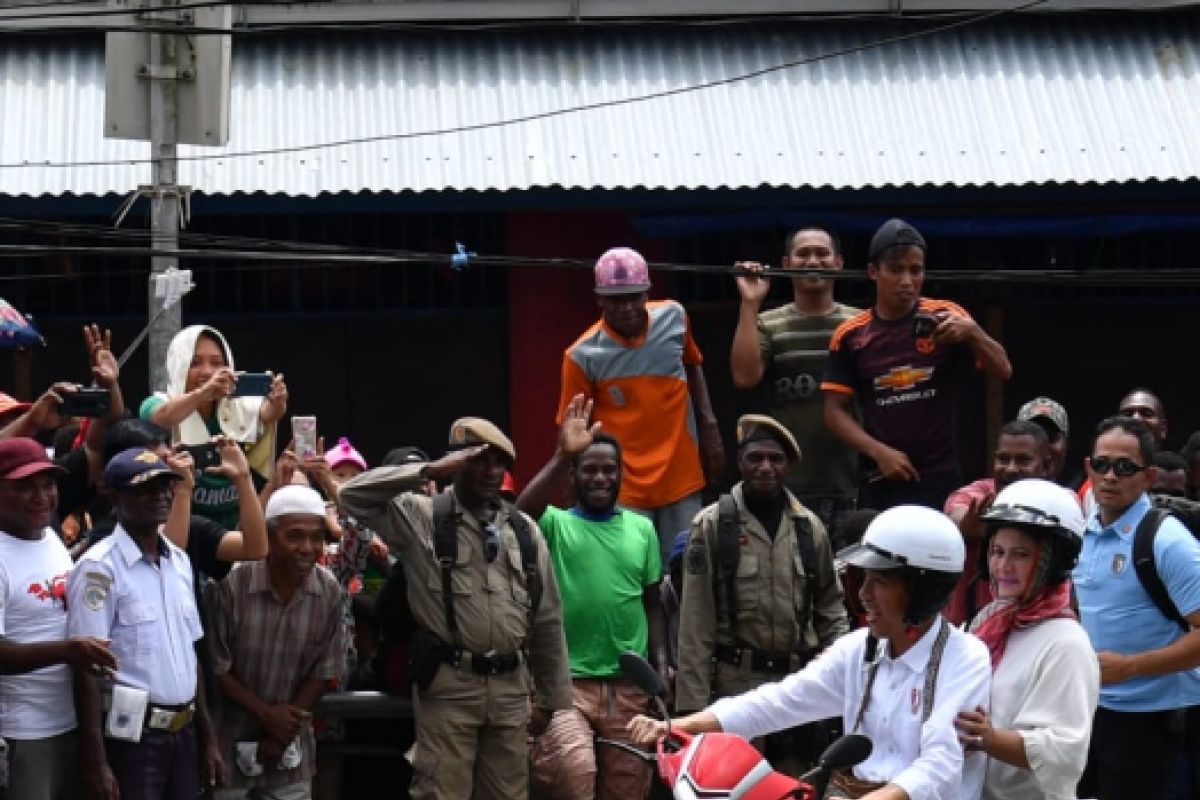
894 233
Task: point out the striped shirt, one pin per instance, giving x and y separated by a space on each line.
794 348
640 391
272 649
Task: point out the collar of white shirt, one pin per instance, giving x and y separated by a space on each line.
916 658
132 552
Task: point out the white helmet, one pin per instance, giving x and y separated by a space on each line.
1038 503
1045 510
910 536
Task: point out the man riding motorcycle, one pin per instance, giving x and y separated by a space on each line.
901 680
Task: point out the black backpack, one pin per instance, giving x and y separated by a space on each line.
729 551
1188 513
392 608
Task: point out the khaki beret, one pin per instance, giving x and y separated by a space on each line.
757 426
471 431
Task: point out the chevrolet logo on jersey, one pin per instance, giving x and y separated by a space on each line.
900 379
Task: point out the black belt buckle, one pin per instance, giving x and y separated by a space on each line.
494 664
776 663
728 654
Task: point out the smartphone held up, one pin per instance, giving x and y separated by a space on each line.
304 436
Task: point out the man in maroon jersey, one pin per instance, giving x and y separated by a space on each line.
904 361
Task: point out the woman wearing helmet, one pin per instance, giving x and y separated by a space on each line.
1046 680
901 680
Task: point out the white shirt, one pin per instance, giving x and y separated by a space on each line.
924 759
148 611
33 578
1045 688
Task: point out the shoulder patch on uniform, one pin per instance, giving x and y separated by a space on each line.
95 590
697 558
99 577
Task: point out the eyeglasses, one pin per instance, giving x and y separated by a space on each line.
1123 467
491 544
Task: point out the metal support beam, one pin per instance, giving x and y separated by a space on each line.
73 15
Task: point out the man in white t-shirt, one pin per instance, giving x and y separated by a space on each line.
37 712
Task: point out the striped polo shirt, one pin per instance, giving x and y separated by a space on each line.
794 348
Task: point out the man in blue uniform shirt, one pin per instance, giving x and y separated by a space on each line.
135 588
1148 662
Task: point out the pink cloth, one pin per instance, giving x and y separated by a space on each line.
344 451
1001 618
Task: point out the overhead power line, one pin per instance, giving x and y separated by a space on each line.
260 254
259 260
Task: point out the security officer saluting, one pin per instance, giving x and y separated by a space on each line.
760 592
486 611
135 588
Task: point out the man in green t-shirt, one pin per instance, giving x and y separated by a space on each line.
606 560
785 349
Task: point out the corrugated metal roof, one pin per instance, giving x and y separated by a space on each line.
1025 101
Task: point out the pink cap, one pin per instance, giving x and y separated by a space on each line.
622 270
342 452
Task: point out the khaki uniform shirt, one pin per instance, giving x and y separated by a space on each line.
776 609
491 603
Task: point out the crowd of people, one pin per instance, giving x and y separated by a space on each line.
178 590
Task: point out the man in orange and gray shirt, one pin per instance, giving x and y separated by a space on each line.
640 367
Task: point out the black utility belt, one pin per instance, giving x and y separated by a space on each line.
481 663
774 663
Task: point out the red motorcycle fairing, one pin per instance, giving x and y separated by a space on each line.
721 765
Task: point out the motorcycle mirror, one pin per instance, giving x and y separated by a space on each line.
638 670
851 749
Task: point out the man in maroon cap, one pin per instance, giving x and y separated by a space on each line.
37 718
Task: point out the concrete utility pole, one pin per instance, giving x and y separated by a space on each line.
167 87
163 74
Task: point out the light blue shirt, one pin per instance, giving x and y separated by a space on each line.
1119 616
147 610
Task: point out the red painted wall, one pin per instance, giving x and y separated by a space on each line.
548 309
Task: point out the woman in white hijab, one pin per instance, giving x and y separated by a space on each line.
199 404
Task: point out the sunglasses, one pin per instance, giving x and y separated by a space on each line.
1123 467
491 544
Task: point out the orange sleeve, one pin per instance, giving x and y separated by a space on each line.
691 350
948 305
574 382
